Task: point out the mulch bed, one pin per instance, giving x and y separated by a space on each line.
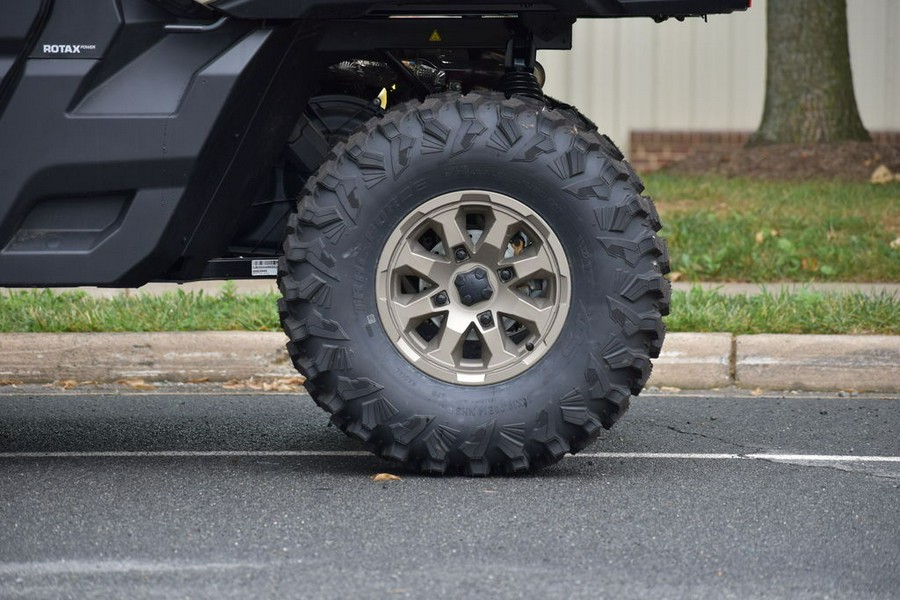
845 161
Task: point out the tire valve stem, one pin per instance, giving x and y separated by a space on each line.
529 346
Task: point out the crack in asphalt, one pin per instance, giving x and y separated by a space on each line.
830 466
748 450
706 436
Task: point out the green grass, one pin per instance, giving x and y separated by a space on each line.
743 230
697 310
772 312
46 311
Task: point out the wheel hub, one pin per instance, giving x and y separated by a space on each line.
473 286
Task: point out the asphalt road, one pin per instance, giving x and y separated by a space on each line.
222 495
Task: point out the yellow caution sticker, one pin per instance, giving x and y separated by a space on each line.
435 37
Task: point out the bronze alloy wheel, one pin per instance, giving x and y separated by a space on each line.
473 287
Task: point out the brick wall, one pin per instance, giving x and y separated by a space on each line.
652 150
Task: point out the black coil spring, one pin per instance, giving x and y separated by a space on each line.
523 83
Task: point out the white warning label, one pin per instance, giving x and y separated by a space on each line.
264 268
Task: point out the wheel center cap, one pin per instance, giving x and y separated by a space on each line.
473 286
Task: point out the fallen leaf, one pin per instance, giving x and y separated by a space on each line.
66 384
675 275
10 382
760 236
253 384
881 175
757 392
670 389
896 244
136 384
287 384
233 384
385 477
279 384
198 380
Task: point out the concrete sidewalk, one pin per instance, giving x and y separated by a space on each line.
688 360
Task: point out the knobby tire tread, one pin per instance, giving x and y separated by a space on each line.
330 207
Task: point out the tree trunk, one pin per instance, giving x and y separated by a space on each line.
809 86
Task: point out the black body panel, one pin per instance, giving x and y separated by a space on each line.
22 22
14 28
343 9
131 142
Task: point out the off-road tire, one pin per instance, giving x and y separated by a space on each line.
550 161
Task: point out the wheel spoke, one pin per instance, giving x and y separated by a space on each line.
524 309
430 266
527 267
451 232
493 242
415 310
447 342
495 341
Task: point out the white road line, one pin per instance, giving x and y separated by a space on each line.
185 453
357 454
103 567
752 456
824 458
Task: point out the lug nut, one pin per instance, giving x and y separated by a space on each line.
461 254
467 300
486 319
480 274
505 274
441 299
486 293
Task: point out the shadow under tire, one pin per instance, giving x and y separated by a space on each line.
473 284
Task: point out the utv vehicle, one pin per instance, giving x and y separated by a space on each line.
471 278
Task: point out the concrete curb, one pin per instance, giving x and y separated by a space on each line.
694 361
173 356
688 360
817 362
